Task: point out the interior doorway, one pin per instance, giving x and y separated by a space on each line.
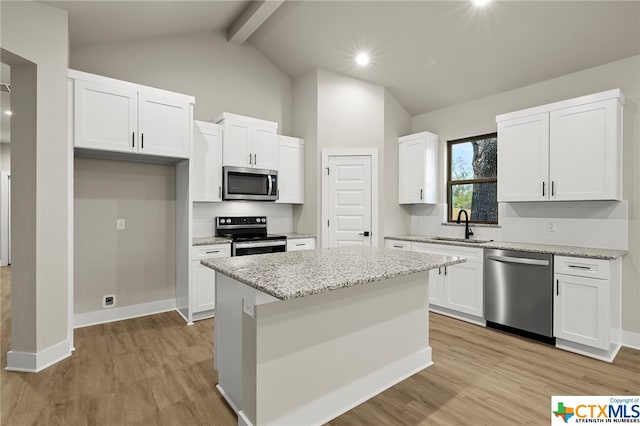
349 198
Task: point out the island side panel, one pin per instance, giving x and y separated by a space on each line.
228 339
361 339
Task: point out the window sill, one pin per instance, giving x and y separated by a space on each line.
476 225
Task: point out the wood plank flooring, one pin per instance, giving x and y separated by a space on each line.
158 371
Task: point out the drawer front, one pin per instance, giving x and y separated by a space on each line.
581 267
470 253
397 245
207 252
301 244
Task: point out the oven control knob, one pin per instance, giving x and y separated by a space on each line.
228 220
264 220
257 219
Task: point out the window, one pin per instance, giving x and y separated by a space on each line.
472 178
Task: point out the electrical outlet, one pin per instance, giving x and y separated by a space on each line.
109 301
551 226
247 308
120 224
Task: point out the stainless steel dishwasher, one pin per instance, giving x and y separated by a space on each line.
518 291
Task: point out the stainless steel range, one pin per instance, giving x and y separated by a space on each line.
249 235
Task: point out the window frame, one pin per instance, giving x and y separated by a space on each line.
450 183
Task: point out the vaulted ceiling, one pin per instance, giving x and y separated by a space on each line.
429 54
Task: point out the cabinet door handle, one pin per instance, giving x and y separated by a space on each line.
255 159
133 139
421 194
543 188
142 140
445 270
440 270
553 188
220 192
250 159
557 287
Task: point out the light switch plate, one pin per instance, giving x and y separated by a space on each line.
120 224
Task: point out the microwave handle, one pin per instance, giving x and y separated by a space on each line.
270 184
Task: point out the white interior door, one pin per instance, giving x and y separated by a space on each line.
349 198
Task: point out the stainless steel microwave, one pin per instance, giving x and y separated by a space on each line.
245 183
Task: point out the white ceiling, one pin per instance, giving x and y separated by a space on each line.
429 54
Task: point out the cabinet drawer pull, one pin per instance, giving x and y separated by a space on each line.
398 246
213 251
300 244
584 268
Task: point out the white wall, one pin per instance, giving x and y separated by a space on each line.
396 218
38 34
136 264
221 75
279 216
584 224
5 157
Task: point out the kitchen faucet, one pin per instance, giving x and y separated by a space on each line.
467 232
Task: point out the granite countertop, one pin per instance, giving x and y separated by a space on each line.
295 236
205 241
297 274
589 252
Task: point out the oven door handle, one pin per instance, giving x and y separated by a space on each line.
270 190
271 243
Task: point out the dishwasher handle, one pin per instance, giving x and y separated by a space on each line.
520 260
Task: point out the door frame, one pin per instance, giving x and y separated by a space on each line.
351 152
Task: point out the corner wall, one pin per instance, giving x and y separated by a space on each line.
40 246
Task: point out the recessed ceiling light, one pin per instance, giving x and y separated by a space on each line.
480 3
362 59
8 112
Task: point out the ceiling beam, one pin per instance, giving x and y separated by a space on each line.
256 14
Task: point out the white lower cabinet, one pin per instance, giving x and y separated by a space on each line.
587 306
298 244
203 279
456 290
397 244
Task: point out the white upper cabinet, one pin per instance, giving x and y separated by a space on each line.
118 116
291 170
418 169
105 117
206 162
248 142
164 124
518 139
565 151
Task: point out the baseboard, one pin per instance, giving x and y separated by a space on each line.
30 362
86 319
458 315
630 339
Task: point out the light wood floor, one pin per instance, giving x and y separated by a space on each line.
158 371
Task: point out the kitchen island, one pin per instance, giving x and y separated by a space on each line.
302 337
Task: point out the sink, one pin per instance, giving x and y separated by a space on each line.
461 240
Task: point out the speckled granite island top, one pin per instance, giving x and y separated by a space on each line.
292 275
588 252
